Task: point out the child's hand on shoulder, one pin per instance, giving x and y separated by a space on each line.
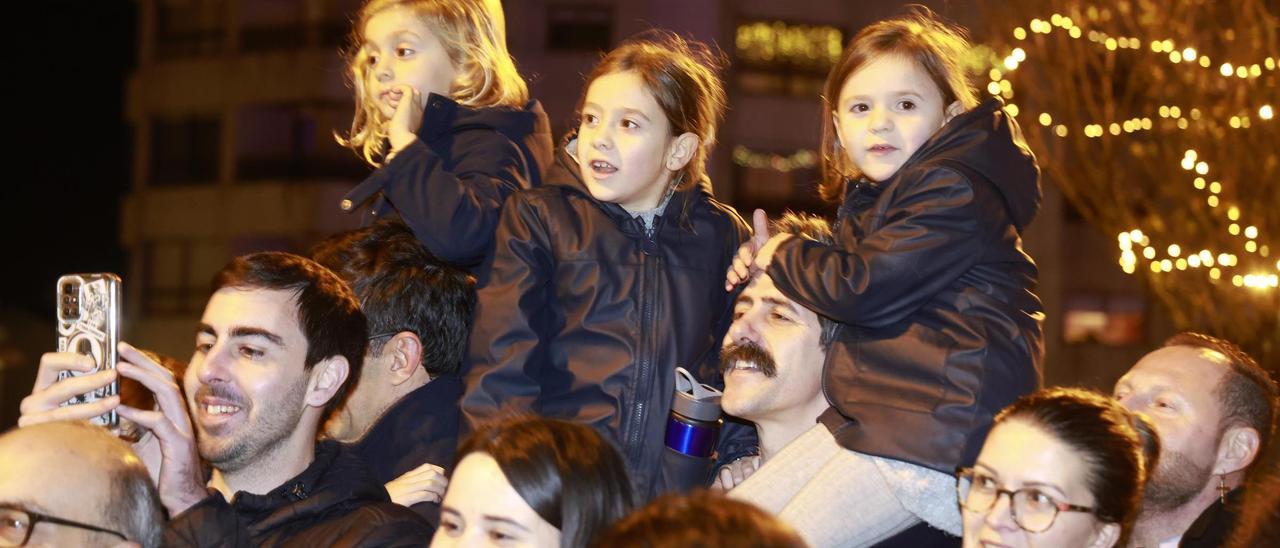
404 124
755 254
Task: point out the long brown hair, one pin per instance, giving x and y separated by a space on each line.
937 47
681 76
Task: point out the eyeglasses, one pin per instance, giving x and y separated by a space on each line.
1033 510
16 524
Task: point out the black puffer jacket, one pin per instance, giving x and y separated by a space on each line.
583 317
449 184
334 502
942 328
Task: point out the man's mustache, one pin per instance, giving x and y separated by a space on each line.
747 351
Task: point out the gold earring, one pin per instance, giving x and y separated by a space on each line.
1222 488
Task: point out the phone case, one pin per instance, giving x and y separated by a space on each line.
89 323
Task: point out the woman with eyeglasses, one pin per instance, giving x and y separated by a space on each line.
1062 467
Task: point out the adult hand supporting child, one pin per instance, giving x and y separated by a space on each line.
425 483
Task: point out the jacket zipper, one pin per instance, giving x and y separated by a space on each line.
644 382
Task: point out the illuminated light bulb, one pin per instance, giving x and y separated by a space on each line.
1237 280
1188 163
1175 112
1166 265
1155 46
1181 264
1045 119
1164 111
1155 267
1189 54
1195 114
1204 61
1244 122
1251 232
1233 213
1056 19
1010 63
1061 130
1234 229
1255 70
995 75
1019 54
1199 182
1242 72
993 88
1167 45
1111 44
1235 122
1264 250
1020 33
1251 246
1127 267
1227 69
1115 128
1146 123
1215 273
1066 22
1206 257
1265 112
1074 32
1202 168
1174 250
1174 56
1191 153
1213 201
1271 63
1149 253
1135 235
1127 126
1011 108
1193 261
1214 187
1182 123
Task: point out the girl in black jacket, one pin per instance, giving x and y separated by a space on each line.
433 80
940 325
605 279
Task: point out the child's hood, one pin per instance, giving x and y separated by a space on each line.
988 141
528 125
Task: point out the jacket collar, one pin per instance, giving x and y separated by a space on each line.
335 477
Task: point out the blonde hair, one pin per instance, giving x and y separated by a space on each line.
473 33
940 49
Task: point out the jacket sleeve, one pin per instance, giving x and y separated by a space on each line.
507 343
210 523
453 209
929 238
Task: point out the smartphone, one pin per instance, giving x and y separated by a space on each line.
89 324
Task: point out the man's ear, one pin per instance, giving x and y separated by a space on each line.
681 151
406 356
954 109
326 378
1106 536
1237 450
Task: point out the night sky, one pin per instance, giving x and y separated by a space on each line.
70 144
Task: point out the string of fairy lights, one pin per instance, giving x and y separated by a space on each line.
1134 244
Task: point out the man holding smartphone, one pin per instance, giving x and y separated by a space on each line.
279 339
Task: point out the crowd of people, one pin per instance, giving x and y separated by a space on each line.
492 358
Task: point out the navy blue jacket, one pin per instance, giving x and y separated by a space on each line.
449 184
941 327
582 316
422 427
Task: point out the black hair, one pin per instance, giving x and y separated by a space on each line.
1119 448
814 228
328 312
567 472
402 287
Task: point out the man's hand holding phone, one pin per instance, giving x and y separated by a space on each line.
45 402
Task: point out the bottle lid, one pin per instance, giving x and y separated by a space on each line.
695 400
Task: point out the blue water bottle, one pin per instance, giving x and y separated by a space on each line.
694 425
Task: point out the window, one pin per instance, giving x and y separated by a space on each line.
185 150
292 141
779 58
579 27
1109 319
267 25
190 28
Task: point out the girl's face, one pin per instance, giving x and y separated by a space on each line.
1019 455
886 110
482 509
402 49
625 149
